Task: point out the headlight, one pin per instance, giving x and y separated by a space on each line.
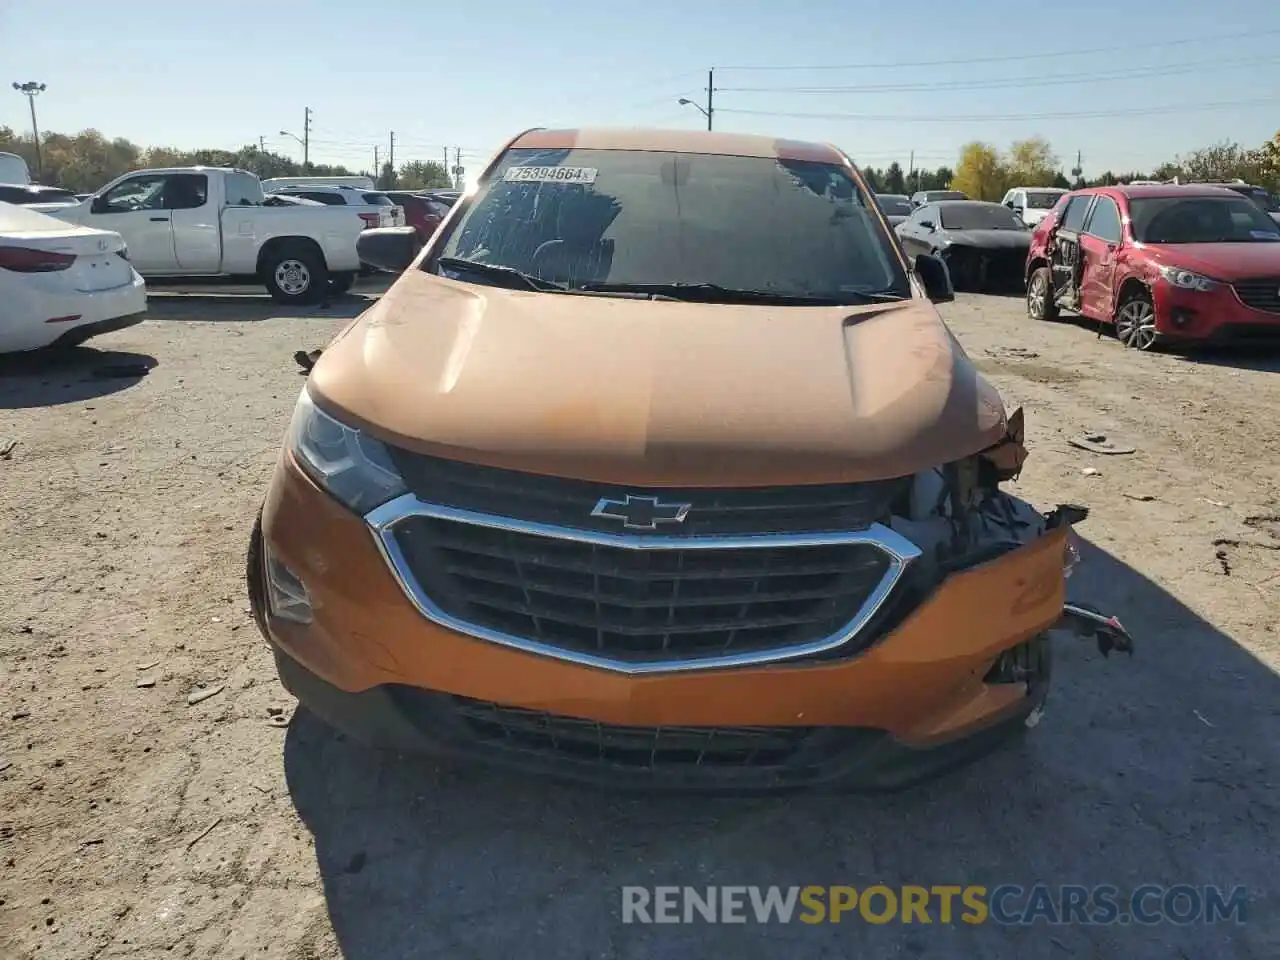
1187 280
353 467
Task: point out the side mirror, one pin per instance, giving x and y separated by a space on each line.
99 204
1017 210
388 248
928 225
935 278
1009 204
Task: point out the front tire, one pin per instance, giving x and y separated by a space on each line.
1040 302
295 275
1136 322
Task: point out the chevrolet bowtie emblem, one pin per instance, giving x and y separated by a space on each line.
641 513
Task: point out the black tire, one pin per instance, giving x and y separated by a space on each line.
340 283
1135 321
1040 302
295 274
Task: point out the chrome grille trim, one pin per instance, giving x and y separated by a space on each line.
383 520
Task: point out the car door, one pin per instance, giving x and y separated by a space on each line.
134 208
921 228
1100 243
197 240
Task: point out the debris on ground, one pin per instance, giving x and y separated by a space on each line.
5 765
1091 472
199 696
1140 497
203 833
1222 560
6 449
1214 503
148 665
1020 353
1098 443
307 360
145 682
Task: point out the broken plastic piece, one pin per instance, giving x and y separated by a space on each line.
1008 456
1107 631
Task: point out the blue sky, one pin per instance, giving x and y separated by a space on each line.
226 74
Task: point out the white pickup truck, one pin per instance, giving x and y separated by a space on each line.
196 222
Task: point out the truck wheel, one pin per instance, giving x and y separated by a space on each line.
340 283
295 275
1040 303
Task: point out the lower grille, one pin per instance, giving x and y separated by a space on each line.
1261 294
642 748
640 606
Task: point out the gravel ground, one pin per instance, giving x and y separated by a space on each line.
135 824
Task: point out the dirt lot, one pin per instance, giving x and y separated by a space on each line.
135 824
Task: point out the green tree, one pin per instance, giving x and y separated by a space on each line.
894 182
1031 163
981 172
874 178
423 175
1061 182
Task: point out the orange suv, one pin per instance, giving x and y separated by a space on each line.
658 467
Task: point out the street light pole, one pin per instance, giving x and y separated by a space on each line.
31 90
709 109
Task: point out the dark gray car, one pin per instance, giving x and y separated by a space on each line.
983 244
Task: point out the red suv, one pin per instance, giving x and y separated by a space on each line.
1165 264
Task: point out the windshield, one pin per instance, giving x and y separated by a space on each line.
782 227
1200 220
1042 199
378 200
933 195
895 206
978 216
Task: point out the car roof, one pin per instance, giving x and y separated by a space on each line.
1157 191
678 141
894 196
954 204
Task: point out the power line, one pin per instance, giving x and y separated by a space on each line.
1037 80
1009 58
981 117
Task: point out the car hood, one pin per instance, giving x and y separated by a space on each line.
991 239
1221 261
637 391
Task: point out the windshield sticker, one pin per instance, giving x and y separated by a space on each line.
550 175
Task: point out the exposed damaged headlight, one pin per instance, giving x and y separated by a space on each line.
352 466
1186 279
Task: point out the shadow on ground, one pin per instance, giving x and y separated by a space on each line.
238 308
1160 769
1264 358
49 378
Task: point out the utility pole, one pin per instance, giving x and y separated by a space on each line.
377 170
31 90
306 139
446 164
711 87
457 168
911 169
391 160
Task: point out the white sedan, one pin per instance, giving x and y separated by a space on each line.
61 284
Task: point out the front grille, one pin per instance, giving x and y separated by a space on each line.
638 748
558 501
1262 293
638 606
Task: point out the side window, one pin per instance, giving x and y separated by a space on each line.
136 193
332 199
186 191
13 195
1073 217
1104 222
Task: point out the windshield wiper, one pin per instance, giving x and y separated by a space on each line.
498 272
711 292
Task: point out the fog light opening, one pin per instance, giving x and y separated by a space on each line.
287 598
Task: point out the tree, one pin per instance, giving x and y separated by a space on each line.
874 178
1031 163
87 161
893 179
1223 161
1269 163
423 175
981 174
1061 182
